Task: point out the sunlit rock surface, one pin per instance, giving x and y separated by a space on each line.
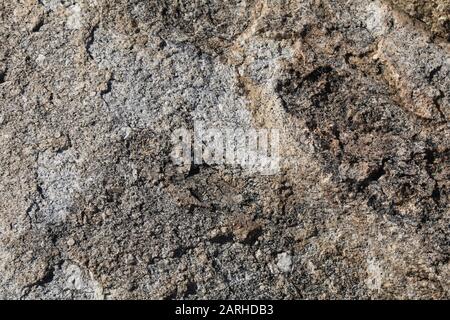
93 207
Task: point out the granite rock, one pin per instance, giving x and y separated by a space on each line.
93 207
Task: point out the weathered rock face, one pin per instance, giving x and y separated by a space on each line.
92 205
435 13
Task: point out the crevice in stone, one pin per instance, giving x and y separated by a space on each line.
37 27
433 73
317 73
3 75
222 238
107 90
108 87
374 176
46 279
437 104
90 40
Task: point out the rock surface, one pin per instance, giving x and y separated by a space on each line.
92 206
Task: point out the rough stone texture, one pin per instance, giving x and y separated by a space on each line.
435 13
92 206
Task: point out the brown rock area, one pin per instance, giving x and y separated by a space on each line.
93 207
434 13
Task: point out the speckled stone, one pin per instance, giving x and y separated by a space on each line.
93 207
